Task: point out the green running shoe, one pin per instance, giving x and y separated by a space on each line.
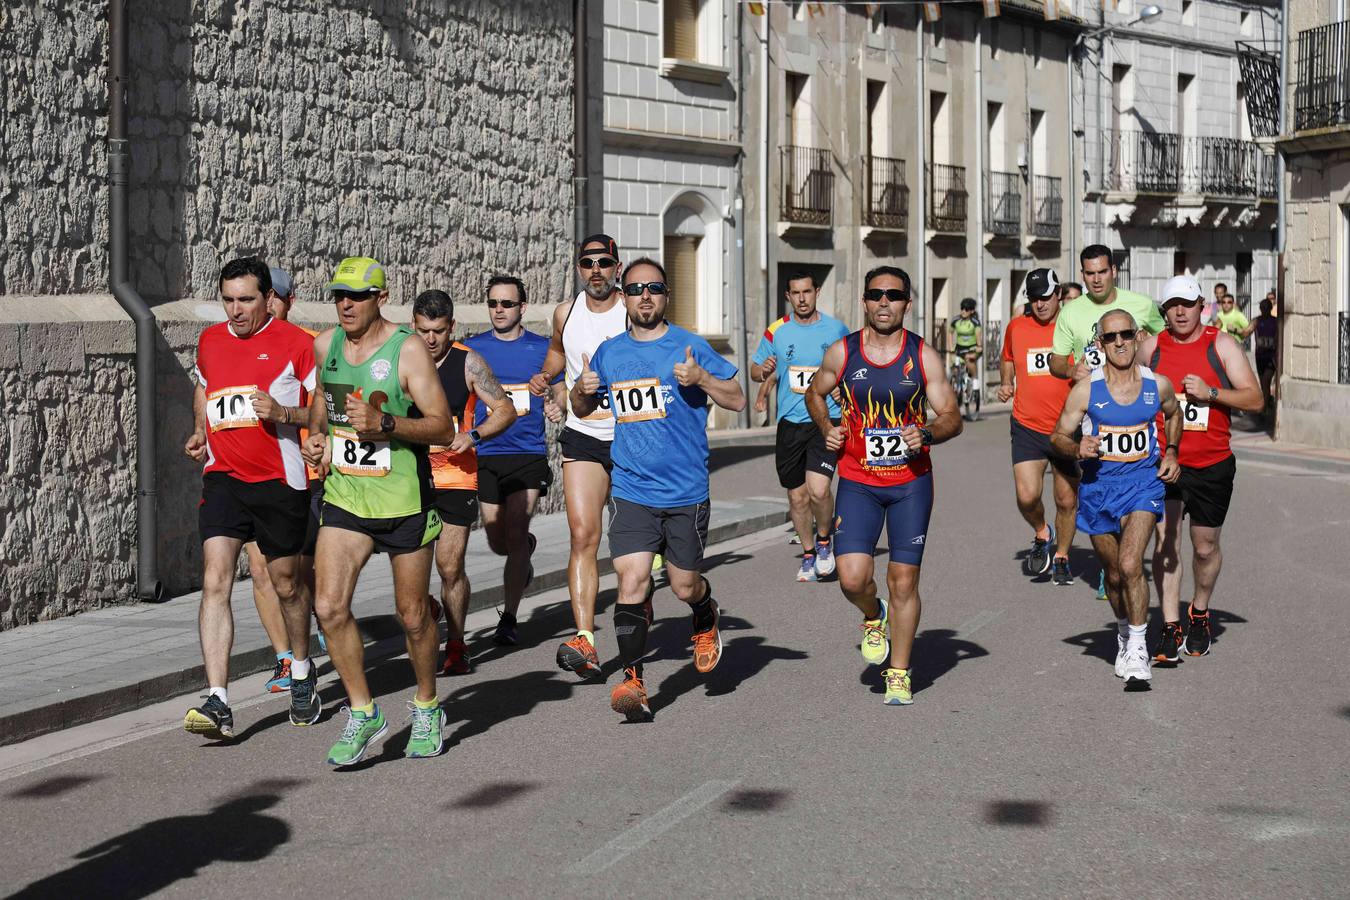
426 739
898 692
876 649
357 736
1101 586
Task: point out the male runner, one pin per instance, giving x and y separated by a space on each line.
1267 337
1072 291
464 377
659 379
1213 373
381 405
1231 320
513 469
1074 352
579 327
792 347
885 374
1038 397
1124 482
253 376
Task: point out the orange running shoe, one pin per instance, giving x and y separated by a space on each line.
708 644
578 655
630 697
456 659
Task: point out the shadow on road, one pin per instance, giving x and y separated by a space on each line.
1345 712
721 457
161 853
936 652
752 801
53 787
1017 812
1100 642
494 794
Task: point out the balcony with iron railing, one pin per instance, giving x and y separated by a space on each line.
808 186
887 205
1003 203
1322 94
1047 207
1158 163
947 198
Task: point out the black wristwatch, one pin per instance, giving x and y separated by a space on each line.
386 423
1213 394
927 437
477 438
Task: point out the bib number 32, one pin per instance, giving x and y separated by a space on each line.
884 447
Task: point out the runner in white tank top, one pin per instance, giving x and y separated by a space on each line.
582 332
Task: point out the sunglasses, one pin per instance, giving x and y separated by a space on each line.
596 262
635 288
493 303
895 295
1177 301
1125 334
354 295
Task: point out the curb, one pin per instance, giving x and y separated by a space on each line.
1292 460
35 722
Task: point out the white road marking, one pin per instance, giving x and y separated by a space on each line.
1278 830
978 621
650 828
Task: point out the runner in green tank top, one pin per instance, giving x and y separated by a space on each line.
378 405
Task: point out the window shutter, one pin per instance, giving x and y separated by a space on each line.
681 260
681 29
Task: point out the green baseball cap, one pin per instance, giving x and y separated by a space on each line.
357 273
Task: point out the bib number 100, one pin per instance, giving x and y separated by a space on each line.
1125 445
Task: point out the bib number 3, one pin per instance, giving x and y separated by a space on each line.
884 447
231 407
1092 355
353 456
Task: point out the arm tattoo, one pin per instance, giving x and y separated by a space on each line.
485 383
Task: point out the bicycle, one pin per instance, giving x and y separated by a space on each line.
967 390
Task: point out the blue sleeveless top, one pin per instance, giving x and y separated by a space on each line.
1129 434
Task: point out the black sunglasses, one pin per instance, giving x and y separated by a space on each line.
1189 304
895 295
493 303
1109 337
635 288
596 262
355 295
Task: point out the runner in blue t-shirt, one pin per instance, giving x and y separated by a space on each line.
658 378
792 349
513 469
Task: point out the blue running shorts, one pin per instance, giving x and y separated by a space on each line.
1104 502
861 510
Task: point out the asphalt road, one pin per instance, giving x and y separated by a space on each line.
1022 769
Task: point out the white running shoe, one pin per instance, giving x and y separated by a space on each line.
824 559
1120 655
1138 666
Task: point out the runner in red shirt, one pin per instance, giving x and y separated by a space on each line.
1038 398
254 376
1212 377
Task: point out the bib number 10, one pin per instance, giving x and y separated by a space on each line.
231 407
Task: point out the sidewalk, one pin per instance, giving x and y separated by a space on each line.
1258 446
61 673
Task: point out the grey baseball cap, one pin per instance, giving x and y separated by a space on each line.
281 282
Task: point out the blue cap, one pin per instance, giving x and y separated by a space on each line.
281 282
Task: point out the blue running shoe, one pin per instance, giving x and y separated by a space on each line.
1101 586
280 682
808 570
824 558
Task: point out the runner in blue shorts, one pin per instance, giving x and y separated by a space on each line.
1124 476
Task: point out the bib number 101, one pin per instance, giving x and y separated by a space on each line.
638 401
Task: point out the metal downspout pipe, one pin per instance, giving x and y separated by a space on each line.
1075 203
580 137
1281 212
921 319
739 334
148 585
981 163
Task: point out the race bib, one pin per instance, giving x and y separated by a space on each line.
799 378
1125 443
354 456
1194 417
884 447
639 400
520 397
231 407
601 412
1038 361
1092 355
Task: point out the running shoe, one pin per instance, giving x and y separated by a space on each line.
1169 649
1120 655
1038 557
708 644
1101 586
629 697
808 570
505 635
898 691
876 649
578 655
1198 638
357 736
1138 671
824 558
280 682
427 738
305 702
456 658
1059 571
212 719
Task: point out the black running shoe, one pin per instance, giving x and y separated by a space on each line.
212 719
1059 571
1169 649
305 702
505 635
1038 557
1198 637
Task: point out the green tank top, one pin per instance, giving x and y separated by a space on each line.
373 479
964 330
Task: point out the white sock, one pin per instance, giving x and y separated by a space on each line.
300 669
1136 635
219 692
1123 627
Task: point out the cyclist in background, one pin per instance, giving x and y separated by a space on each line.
968 344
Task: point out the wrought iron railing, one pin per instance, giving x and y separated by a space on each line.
887 194
1047 206
1322 97
1343 370
1003 200
1161 163
808 186
947 198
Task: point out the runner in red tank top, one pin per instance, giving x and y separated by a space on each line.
1212 377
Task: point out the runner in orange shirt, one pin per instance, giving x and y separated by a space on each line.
1038 398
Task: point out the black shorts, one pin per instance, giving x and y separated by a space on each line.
584 448
272 513
800 448
1032 446
397 535
680 533
1205 492
315 510
1264 363
457 506
501 476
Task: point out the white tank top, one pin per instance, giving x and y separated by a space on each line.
582 333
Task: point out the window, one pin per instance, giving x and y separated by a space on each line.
1245 23
797 110
878 20
939 131
691 30
1036 48
1187 12
993 38
996 141
878 120
692 243
937 32
681 261
1122 97
939 306
1244 124
1040 144
1179 262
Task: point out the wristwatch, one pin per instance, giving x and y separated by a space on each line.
1213 394
927 436
476 437
386 423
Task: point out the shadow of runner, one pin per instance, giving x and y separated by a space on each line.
158 854
936 652
53 787
1100 642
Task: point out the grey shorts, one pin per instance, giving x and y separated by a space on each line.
679 534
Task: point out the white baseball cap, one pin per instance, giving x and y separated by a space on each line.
1180 287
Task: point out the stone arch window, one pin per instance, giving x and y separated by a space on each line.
692 252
